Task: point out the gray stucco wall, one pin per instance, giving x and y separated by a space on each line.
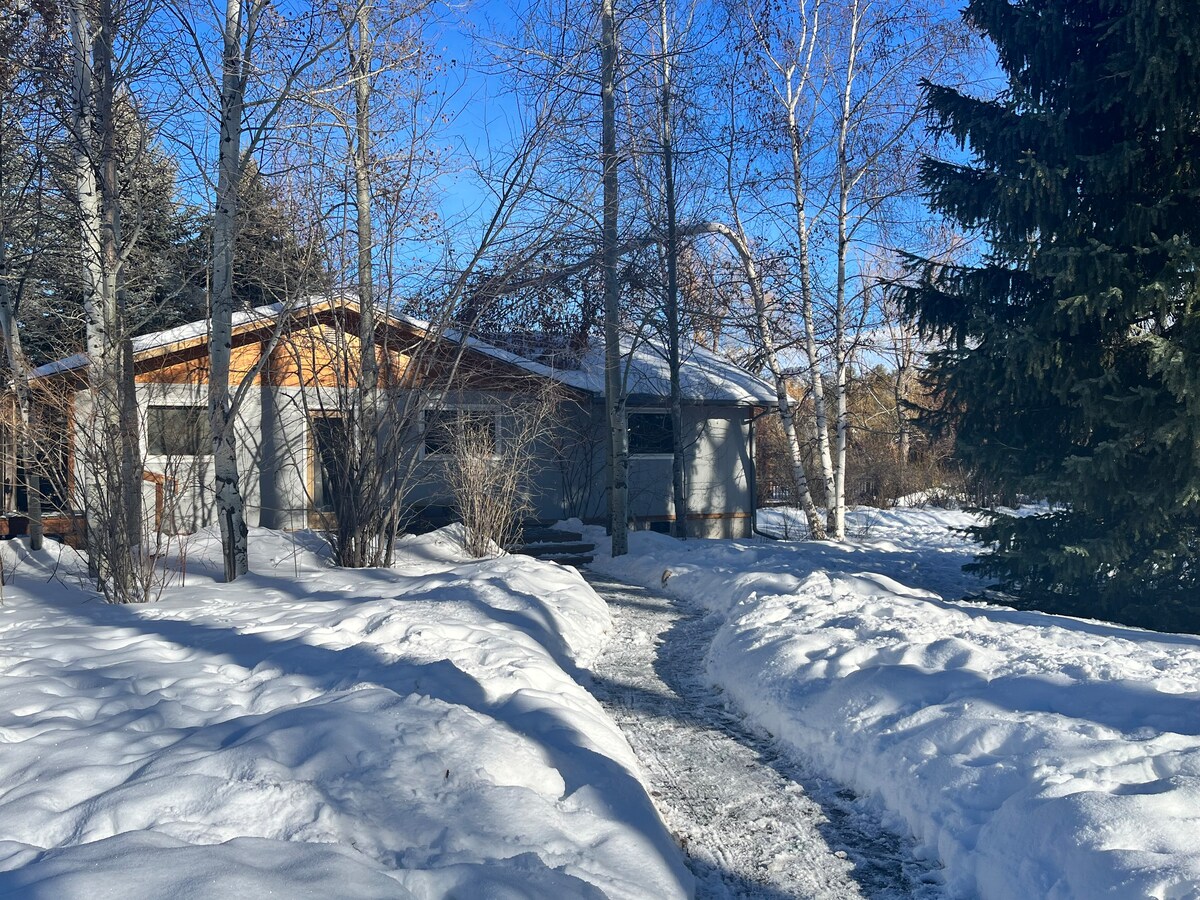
565 475
717 478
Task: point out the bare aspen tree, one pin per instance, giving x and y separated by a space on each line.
618 426
787 51
113 500
844 82
385 68
242 29
762 312
21 237
364 448
678 462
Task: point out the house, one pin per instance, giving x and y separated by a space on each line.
296 365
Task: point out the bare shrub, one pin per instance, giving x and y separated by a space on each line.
492 461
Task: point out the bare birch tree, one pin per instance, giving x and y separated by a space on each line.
843 82
252 99
22 190
614 395
113 495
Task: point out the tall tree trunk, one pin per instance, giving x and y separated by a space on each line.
111 507
231 512
678 462
841 347
364 443
86 194
812 354
614 392
127 447
18 367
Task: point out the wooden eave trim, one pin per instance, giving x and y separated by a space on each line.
192 349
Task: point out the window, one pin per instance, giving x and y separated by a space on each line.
650 434
329 447
445 427
178 431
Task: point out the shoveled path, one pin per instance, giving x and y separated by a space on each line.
754 823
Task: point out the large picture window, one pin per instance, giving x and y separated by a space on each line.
650 434
178 431
444 427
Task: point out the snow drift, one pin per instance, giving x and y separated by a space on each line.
313 731
1036 755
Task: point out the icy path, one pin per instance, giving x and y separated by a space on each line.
754 823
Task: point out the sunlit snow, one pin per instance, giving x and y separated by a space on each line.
312 731
1035 755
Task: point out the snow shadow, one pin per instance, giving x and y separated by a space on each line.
884 865
910 564
541 626
566 748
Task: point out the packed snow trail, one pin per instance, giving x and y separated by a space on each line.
753 822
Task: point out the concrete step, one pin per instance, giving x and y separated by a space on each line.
575 561
566 547
540 534
559 548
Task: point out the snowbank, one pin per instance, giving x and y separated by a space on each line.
312 731
1036 755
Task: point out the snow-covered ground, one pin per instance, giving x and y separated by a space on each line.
317 732
1035 755
756 823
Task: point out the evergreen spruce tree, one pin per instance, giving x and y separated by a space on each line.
1071 368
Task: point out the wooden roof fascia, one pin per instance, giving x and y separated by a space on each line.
261 328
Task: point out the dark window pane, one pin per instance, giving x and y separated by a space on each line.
649 433
443 426
177 431
329 467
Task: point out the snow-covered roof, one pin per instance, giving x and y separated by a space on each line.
705 376
161 340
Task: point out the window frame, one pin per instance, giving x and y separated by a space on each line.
483 410
202 431
651 454
316 465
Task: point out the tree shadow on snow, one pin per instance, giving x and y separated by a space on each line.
565 747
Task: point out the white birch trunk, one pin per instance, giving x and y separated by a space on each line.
88 200
357 536
112 482
100 364
678 461
811 349
231 513
841 345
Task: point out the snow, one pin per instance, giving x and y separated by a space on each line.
756 822
1035 755
705 375
313 731
180 334
424 731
